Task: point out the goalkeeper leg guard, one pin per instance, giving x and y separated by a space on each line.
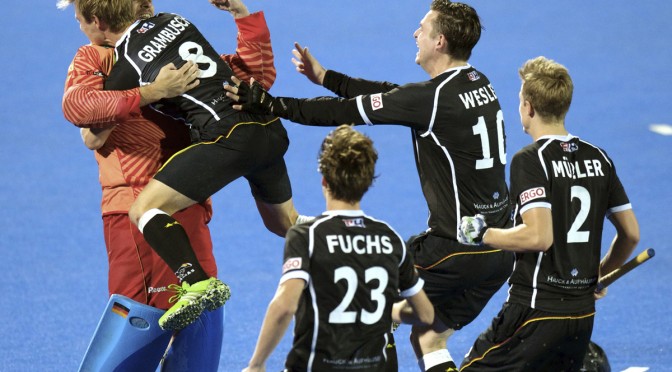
128 338
198 346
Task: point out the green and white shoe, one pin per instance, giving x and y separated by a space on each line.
192 300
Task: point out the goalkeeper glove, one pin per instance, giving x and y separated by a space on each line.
255 99
472 230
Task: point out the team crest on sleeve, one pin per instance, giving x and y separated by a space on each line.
376 101
292 263
354 222
145 27
531 194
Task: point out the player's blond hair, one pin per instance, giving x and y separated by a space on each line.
547 86
347 162
118 14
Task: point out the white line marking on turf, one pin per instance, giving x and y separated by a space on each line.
636 369
664 129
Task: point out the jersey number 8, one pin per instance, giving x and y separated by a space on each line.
191 51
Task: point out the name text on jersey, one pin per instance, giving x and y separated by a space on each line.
164 37
577 169
360 244
480 96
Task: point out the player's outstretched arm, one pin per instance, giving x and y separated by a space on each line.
236 7
308 65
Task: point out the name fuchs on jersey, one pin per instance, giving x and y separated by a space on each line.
169 33
360 244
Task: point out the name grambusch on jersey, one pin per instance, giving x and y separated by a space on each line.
360 244
566 168
480 96
164 37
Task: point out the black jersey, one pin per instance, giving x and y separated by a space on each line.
578 182
150 44
354 267
458 136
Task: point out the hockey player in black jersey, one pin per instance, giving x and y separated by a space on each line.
458 134
341 274
563 187
228 144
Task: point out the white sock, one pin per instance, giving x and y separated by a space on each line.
148 216
436 357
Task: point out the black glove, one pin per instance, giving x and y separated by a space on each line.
255 99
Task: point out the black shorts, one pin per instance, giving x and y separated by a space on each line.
524 339
252 150
459 279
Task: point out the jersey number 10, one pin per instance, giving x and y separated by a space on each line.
482 130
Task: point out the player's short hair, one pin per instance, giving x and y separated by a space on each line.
347 161
459 24
547 86
118 14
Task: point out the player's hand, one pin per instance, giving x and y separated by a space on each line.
172 81
235 7
250 97
600 292
307 65
472 229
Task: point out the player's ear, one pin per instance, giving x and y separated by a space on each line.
100 24
441 43
530 109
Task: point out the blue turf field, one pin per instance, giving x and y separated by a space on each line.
618 53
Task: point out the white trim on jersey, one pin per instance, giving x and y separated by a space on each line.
316 327
535 205
599 150
295 274
541 156
413 290
362 112
458 218
387 342
311 287
619 208
540 256
200 103
436 100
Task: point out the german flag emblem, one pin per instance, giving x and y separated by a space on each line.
120 309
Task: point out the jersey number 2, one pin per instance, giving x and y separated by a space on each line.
340 315
482 130
574 235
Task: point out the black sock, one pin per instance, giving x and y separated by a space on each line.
169 240
444 367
